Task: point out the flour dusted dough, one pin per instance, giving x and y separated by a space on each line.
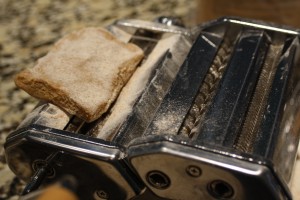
83 73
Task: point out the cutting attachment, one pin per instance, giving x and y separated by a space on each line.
216 117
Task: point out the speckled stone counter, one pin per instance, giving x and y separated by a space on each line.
30 27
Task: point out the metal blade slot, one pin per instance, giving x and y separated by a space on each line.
255 113
74 125
160 68
176 103
223 119
146 106
280 90
210 84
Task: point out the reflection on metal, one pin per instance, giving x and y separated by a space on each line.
209 85
256 24
213 120
152 26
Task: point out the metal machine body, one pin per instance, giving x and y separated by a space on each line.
218 119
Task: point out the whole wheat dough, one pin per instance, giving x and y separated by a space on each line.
83 73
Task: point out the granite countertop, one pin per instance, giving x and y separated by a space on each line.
30 27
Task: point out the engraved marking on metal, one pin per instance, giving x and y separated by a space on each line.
193 171
101 194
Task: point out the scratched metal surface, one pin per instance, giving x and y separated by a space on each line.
30 27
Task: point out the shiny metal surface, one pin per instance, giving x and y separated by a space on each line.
217 122
172 159
177 102
47 114
244 117
152 26
80 155
228 107
166 70
210 83
98 164
170 21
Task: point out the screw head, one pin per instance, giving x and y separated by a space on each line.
101 194
193 171
37 164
